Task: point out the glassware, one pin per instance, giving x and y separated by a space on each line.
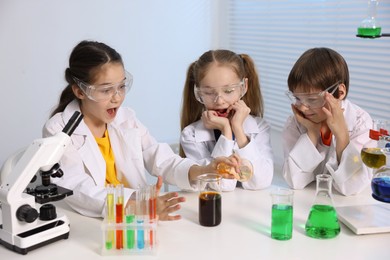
105 92
210 199
245 173
370 27
378 158
312 100
231 93
322 221
282 214
380 184
373 157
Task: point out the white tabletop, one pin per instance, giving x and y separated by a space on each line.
244 233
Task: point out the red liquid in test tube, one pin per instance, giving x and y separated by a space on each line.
152 211
119 215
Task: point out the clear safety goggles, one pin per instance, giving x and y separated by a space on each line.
231 93
105 92
312 100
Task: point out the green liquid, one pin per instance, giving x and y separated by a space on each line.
108 245
322 222
282 222
130 232
369 32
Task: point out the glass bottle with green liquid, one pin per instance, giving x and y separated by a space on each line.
369 27
322 222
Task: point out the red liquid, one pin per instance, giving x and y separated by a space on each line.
119 219
152 216
210 209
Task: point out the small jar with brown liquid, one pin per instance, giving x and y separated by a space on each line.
210 199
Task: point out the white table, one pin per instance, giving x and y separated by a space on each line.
243 234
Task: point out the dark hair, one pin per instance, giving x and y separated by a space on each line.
319 68
84 61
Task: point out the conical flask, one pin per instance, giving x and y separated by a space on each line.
322 221
370 27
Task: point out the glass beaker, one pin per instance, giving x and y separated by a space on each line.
282 214
245 173
370 27
322 221
210 199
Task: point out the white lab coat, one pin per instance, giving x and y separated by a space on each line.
199 144
303 161
135 151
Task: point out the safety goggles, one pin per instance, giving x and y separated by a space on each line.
105 92
312 100
209 95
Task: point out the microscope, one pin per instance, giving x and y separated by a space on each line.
27 222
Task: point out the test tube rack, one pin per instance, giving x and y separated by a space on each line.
136 231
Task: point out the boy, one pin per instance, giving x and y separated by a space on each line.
327 131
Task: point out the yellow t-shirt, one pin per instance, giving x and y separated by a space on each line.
105 148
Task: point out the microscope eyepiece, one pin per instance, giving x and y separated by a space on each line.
73 122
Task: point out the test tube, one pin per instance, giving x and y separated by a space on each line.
110 235
152 212
140 217
130 211
119 215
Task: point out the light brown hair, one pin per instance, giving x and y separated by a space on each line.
241 64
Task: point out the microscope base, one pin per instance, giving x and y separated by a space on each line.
46 233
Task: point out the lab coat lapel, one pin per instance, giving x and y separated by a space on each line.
93 160
202 134
88 148
128 154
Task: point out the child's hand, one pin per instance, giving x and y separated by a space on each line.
240 112
168 203
230 171
313 129
336 123
211 120
219 165
335 117
310 125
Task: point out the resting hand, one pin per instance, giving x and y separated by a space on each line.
335 117
240 112
313 129
211 120
167 203
308 124
336 123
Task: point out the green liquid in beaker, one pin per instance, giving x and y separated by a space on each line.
282 222
369 32
322 222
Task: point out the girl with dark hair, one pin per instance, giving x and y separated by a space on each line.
110 145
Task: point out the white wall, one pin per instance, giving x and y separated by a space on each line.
157 40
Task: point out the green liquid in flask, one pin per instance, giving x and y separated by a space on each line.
322 222
369 32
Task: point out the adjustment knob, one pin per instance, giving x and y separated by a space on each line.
26 213
47 212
